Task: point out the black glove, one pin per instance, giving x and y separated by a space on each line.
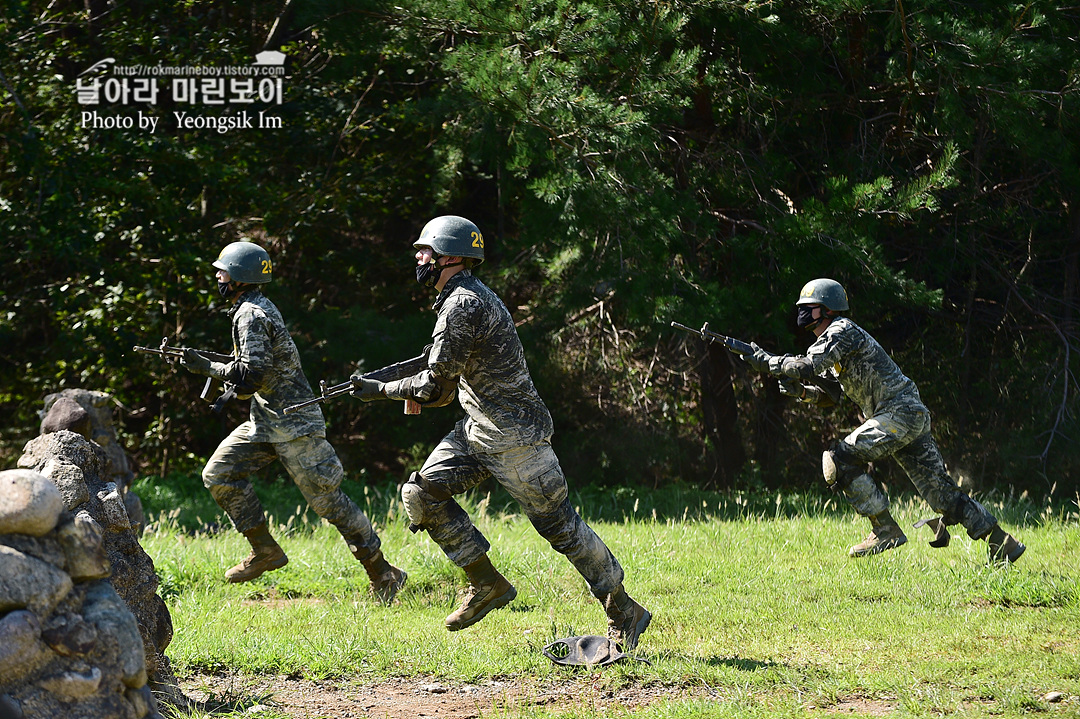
367 390
759 360
195 363
791 387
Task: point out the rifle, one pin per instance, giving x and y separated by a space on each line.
390 373
828 386
174 354
737 346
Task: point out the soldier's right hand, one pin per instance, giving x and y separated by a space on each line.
194 362
367 390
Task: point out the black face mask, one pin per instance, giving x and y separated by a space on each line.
428 275
225 289
805 317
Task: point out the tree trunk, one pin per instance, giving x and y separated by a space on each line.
721 417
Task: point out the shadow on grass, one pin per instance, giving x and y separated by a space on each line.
743 664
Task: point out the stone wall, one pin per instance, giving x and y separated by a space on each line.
69 645
77 468
90 413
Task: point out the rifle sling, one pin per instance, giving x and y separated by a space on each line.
226 396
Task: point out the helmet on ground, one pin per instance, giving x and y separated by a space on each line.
245 262
452 236
826 292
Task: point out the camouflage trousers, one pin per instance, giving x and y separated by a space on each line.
313 466
903 432
533 477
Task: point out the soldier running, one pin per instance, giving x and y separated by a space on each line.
267 369
897 424
476 354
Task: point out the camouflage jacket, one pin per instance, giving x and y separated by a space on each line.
476 344
866 372
267 367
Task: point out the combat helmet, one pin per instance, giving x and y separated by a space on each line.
452 236
245 262
825 292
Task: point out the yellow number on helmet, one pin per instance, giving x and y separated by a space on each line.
477 240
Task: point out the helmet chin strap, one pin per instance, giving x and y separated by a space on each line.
428 275
806 321
230 289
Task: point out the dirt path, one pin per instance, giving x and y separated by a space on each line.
417 697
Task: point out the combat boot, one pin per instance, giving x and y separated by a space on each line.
487 590
884 534
627 620
386 579
1003 546
265 556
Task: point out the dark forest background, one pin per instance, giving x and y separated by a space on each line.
630 163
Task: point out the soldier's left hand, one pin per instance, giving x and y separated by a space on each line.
367 390
759 360
791 387
194 362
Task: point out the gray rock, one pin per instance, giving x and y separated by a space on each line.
21 649
46 548
112 504
69 635
83 549
29 503
73 684
143 702
135 512
39 703
66 458
119 642
9 708
68 478
99 405
68 414
84 516
29 583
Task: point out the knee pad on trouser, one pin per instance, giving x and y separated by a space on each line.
866 497
839 468
412 496
417 495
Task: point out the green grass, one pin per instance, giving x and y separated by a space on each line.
753 597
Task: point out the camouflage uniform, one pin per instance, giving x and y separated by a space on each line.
897 423
267 368
506 435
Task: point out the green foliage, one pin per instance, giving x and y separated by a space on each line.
630 163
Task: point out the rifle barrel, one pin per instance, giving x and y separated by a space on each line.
679 325
178 352
152 350
328 393
390 373
292 408
736 346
